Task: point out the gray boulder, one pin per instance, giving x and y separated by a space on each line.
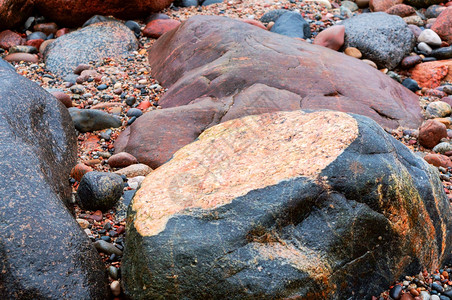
43 251
382 38
91 43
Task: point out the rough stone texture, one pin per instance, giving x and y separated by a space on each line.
43 252
438 160
382 38
432 74
263 208
94 42
72 13
227 69
9 39
401 10
14 12
431 132
443 25
423 3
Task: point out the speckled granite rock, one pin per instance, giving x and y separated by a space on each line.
43 251
382 38
285 205
74 13
217 69
99 40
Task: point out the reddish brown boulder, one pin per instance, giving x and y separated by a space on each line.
401 10
223 74
72 13
443 25
47 28
332 37
383 5
157 28
438 160
14 12
122 160
64 98
432 74
431 132
255 23
9 38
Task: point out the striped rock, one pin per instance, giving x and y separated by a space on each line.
285 205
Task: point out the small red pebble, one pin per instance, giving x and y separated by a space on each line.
96 216
144 105
79 170
121 229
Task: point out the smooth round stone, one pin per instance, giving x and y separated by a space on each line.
435 297
63 98
442 148
437 287
439 109
102 87
80 68
414 20
370 63
107 247
113 272
97 19
130 101
352 6
411 84
353 52
134 112
77 89
395 76
83 223
134 26
99 190
425 295
396 292
36 36
424 47
442 53
17 57
362 3
429 37
23 49
187 3
115 288
272 15
447 89
410 61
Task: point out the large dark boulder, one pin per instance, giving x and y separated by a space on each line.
14 12
43 251
293 205
384 39
91 43
219 67
74 13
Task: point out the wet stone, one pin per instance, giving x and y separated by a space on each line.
396 292
113 272
106 247
439 109
442 148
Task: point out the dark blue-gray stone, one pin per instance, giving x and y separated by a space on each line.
411 84
44 254
99 190
86 120
209 2
272 15
36 36
293 25
134 112
134 26
97 19
186 3
442 53
382 38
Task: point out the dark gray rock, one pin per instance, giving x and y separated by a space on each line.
43 251
382 38
293 25
97 19
107 247
4 65
134 26
91 43
99 190
411 84
353 220
36 36
186 3
209 2
134 112
442 53
422 3
272 15
22 49
91 119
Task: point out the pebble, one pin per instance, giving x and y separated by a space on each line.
435 297
135 170
396 292
121 160
18 57
438 109
442 53
442 148
115 288
106 247
102 87
134 112
113 272
370 63
410 61
429 37
77 89
353 52
424 47
410 84
83 223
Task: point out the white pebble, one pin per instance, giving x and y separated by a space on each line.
115 288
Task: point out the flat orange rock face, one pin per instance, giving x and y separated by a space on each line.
238 156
